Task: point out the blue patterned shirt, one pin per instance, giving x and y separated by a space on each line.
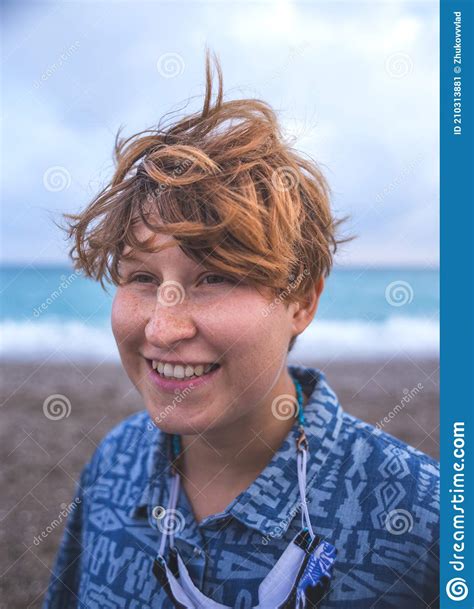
371 496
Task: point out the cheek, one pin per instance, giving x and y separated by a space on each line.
254 342
252 330
125 319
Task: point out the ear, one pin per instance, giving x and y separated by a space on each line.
305 311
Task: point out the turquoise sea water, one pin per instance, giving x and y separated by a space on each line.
51 311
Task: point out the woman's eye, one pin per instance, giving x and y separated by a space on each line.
213 279
140 278
220 279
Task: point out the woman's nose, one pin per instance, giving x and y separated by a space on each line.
168 325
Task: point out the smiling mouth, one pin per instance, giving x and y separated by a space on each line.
184 373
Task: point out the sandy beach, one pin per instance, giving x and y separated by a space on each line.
41 458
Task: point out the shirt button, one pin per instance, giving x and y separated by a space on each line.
197 552
158 512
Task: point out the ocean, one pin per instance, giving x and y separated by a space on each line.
52 313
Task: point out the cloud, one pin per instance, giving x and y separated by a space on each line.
355 85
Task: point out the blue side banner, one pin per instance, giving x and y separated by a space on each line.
457 304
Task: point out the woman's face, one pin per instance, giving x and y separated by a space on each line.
169 308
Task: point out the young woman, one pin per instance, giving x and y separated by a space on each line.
243 484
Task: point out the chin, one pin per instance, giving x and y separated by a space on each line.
178 421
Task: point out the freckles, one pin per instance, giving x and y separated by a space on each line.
126 318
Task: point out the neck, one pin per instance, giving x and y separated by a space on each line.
238 453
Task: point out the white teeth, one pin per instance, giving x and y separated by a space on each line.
179 371
168 370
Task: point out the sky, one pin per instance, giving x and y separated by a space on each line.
355 85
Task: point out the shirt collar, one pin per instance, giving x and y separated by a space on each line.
156 467
271 502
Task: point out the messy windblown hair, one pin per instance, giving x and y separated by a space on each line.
229 190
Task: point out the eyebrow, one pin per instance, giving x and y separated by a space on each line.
140 258
131 258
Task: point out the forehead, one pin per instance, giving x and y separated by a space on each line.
142 233
166 251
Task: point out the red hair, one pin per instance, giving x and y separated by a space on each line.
229 190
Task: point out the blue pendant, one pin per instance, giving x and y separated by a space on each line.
318 571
